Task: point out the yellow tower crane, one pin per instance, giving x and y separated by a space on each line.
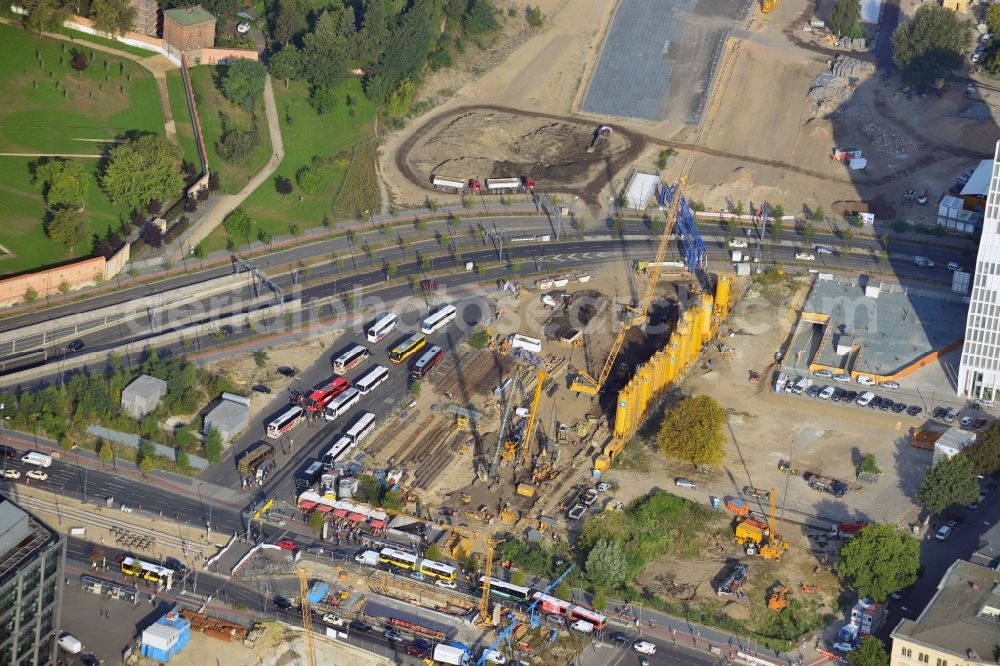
467 533
532 417
775 545
585 383
306 607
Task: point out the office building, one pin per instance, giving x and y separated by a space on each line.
31 583
979 370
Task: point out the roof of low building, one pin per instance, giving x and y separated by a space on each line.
961 618
145 385
187 16
979 182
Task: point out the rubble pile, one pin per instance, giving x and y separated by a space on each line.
888 142
827 94
851 68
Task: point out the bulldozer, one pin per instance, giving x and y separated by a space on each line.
779 599
508 515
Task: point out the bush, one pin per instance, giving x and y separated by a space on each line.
534 16
479 338
310 179
237 145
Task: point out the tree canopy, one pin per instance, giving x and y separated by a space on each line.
243 83
112 16
64 183
68 226
692 431
141 169
606 564
878 561
870 652
985 451
931 44
951 482
845 15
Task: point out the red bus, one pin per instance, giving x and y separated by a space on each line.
321 397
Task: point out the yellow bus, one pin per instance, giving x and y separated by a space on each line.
154 573
407 348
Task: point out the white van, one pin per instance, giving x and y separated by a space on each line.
582 626
865 380
70 644
865 398
37 458
984 403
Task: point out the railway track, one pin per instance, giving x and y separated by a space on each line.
401 453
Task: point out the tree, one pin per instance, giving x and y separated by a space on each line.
869 464
931 44
818 215
310 179
324 53
289 24
243 83
732 225
951 482
878 561
984 454
105 451
286 64
213 445
808 233
391 269
44 14
64 183
260 358
434 552
845 15
283 186
146 464
415 389
993 19
152 235
68 226
199 251
112 16
237 224
80 62
144 168
600 600
738 209
607 564
517 577
692 431
316 520
564 591
870 652
778 212
618 226
777 228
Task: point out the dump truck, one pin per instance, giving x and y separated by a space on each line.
923 438
756 492
825 484
736 579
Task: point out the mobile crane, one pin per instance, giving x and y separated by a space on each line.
532 417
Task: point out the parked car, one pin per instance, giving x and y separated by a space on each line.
339 554
37 475
416 575
842 378
965 421
892 386
850 396
359 625
898 407
287 544
804 256
243 28
393 635
843 647
74 346
825 374
864 380
875 402
227 330
286 371
954 266
644 647
814 390
737 242
681 482
914 410
449 584
283 603
886 405
822 249
978 423
8 452
333 620
826 393
838 394
939 413
314 549
945 531
619 637
260 388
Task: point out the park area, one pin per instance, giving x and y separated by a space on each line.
65 99
338 147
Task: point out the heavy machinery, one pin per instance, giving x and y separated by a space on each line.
532 417
584 382
306 607
602 133
737 578
775 545
750 536
779 599
767 5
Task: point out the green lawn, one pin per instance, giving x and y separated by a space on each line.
21 211
211 106
307 134
182 117
49 107
110 43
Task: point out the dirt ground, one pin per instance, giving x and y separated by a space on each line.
763 144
